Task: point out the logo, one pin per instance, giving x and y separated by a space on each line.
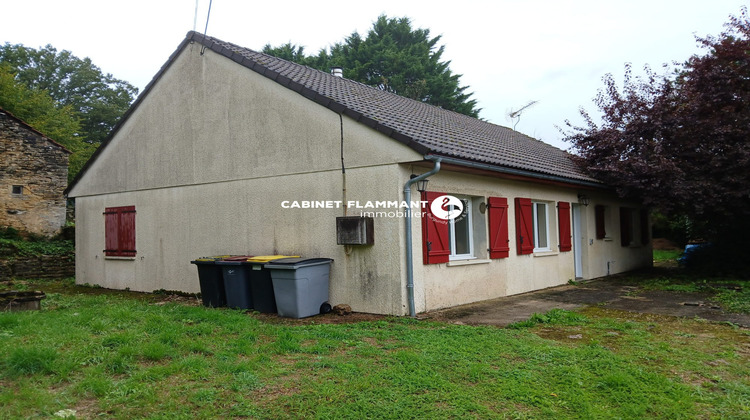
446 207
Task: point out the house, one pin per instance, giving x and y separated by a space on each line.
230 151
33 177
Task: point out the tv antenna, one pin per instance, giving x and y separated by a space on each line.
517 113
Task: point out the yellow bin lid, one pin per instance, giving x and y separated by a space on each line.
267 258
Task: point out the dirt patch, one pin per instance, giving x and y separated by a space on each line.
329 318
501 312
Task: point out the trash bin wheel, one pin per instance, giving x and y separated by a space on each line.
325 308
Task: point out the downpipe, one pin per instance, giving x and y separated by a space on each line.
409 253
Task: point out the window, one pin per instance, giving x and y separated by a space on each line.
541 226
600 218
119 231
626 226
17 189
645 227
634 227
461 238
460 234
535 226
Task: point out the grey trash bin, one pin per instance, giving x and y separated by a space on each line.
300 286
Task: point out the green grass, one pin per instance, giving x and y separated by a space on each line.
113 356
661 255
735 300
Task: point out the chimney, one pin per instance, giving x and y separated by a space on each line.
337 71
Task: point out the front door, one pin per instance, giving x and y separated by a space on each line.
578 241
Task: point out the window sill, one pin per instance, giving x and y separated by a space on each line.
545 253
457 263
109 257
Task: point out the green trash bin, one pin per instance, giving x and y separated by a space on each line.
236 274
300 286
211 281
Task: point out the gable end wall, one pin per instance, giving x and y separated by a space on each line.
40 168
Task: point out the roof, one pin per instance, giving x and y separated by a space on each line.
428 129
30 128
425 128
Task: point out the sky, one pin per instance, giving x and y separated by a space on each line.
509 52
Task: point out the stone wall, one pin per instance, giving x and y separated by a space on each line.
40 267
33 176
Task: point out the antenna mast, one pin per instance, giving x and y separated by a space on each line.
517 113
208 16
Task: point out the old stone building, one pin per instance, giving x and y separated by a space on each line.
33 176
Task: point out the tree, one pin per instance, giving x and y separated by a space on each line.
288 51
39 110
98 99
395 58
681 142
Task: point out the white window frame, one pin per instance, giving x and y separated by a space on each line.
537 248
467 215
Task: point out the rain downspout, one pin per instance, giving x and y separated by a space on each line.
347 248
343 168
409 254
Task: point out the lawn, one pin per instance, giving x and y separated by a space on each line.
124 355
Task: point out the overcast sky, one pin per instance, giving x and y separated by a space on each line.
510 52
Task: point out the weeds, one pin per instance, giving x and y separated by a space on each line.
734 300
38 247
552 317
30 360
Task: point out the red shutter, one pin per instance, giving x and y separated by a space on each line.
645 227
119 231
436 246
524 226
626 226
601 232
497 213
111 231
127 231
563 221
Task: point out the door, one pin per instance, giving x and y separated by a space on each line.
578 241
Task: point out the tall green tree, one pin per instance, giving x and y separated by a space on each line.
39 110
393 57
681 142
98 99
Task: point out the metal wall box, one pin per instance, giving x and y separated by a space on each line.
354 230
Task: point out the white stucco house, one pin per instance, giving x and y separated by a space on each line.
230 151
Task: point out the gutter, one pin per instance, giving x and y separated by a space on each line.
409 253
512 171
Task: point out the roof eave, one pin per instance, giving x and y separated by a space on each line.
515 172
